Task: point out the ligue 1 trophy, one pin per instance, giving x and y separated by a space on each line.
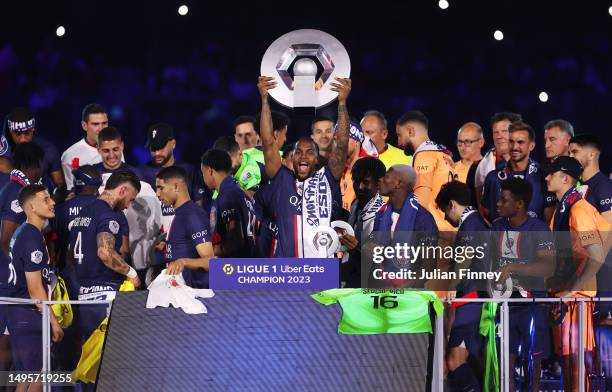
306 62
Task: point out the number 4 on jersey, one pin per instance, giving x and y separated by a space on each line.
77 253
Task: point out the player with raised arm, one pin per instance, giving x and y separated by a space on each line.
304 198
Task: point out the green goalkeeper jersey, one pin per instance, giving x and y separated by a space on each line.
368 311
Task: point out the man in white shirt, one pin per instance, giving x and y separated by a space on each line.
85 151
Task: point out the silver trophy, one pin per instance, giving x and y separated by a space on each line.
324 240
306 62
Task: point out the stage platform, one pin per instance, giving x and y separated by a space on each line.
253 341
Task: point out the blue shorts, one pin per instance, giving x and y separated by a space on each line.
465 330
25 328
520 323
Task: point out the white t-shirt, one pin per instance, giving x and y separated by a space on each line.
144 221
87 155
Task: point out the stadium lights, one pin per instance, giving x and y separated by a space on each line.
60 31
543 96
183 10
443 4
498 35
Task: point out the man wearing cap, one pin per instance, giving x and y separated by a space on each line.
580 237
162 143
94 118
22 126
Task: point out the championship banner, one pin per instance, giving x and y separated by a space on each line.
274 273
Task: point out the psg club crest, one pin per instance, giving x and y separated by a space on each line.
36 257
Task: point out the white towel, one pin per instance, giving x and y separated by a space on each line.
168 290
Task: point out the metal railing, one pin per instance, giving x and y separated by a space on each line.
438 371
438 368
45 319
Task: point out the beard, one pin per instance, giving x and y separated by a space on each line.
408 149
164 160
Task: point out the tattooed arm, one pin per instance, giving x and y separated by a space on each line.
112 259
271 156
338 156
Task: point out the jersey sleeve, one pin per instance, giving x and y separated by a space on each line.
424 165
327 297
603 196
250 176
11 210
32 254
198 229
229 207
196 188
584 223
108 222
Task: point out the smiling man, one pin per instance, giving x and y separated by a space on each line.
304 198
94 118
110 148
521 165
322 132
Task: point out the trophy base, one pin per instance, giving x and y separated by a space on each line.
304 110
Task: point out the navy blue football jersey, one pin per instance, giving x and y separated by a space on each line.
10 210
28 253
234 205
521 245
540 198
598 192
287 202
95 217
190 227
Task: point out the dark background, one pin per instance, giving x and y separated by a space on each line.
146 63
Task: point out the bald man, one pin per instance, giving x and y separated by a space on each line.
469 144
399 218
